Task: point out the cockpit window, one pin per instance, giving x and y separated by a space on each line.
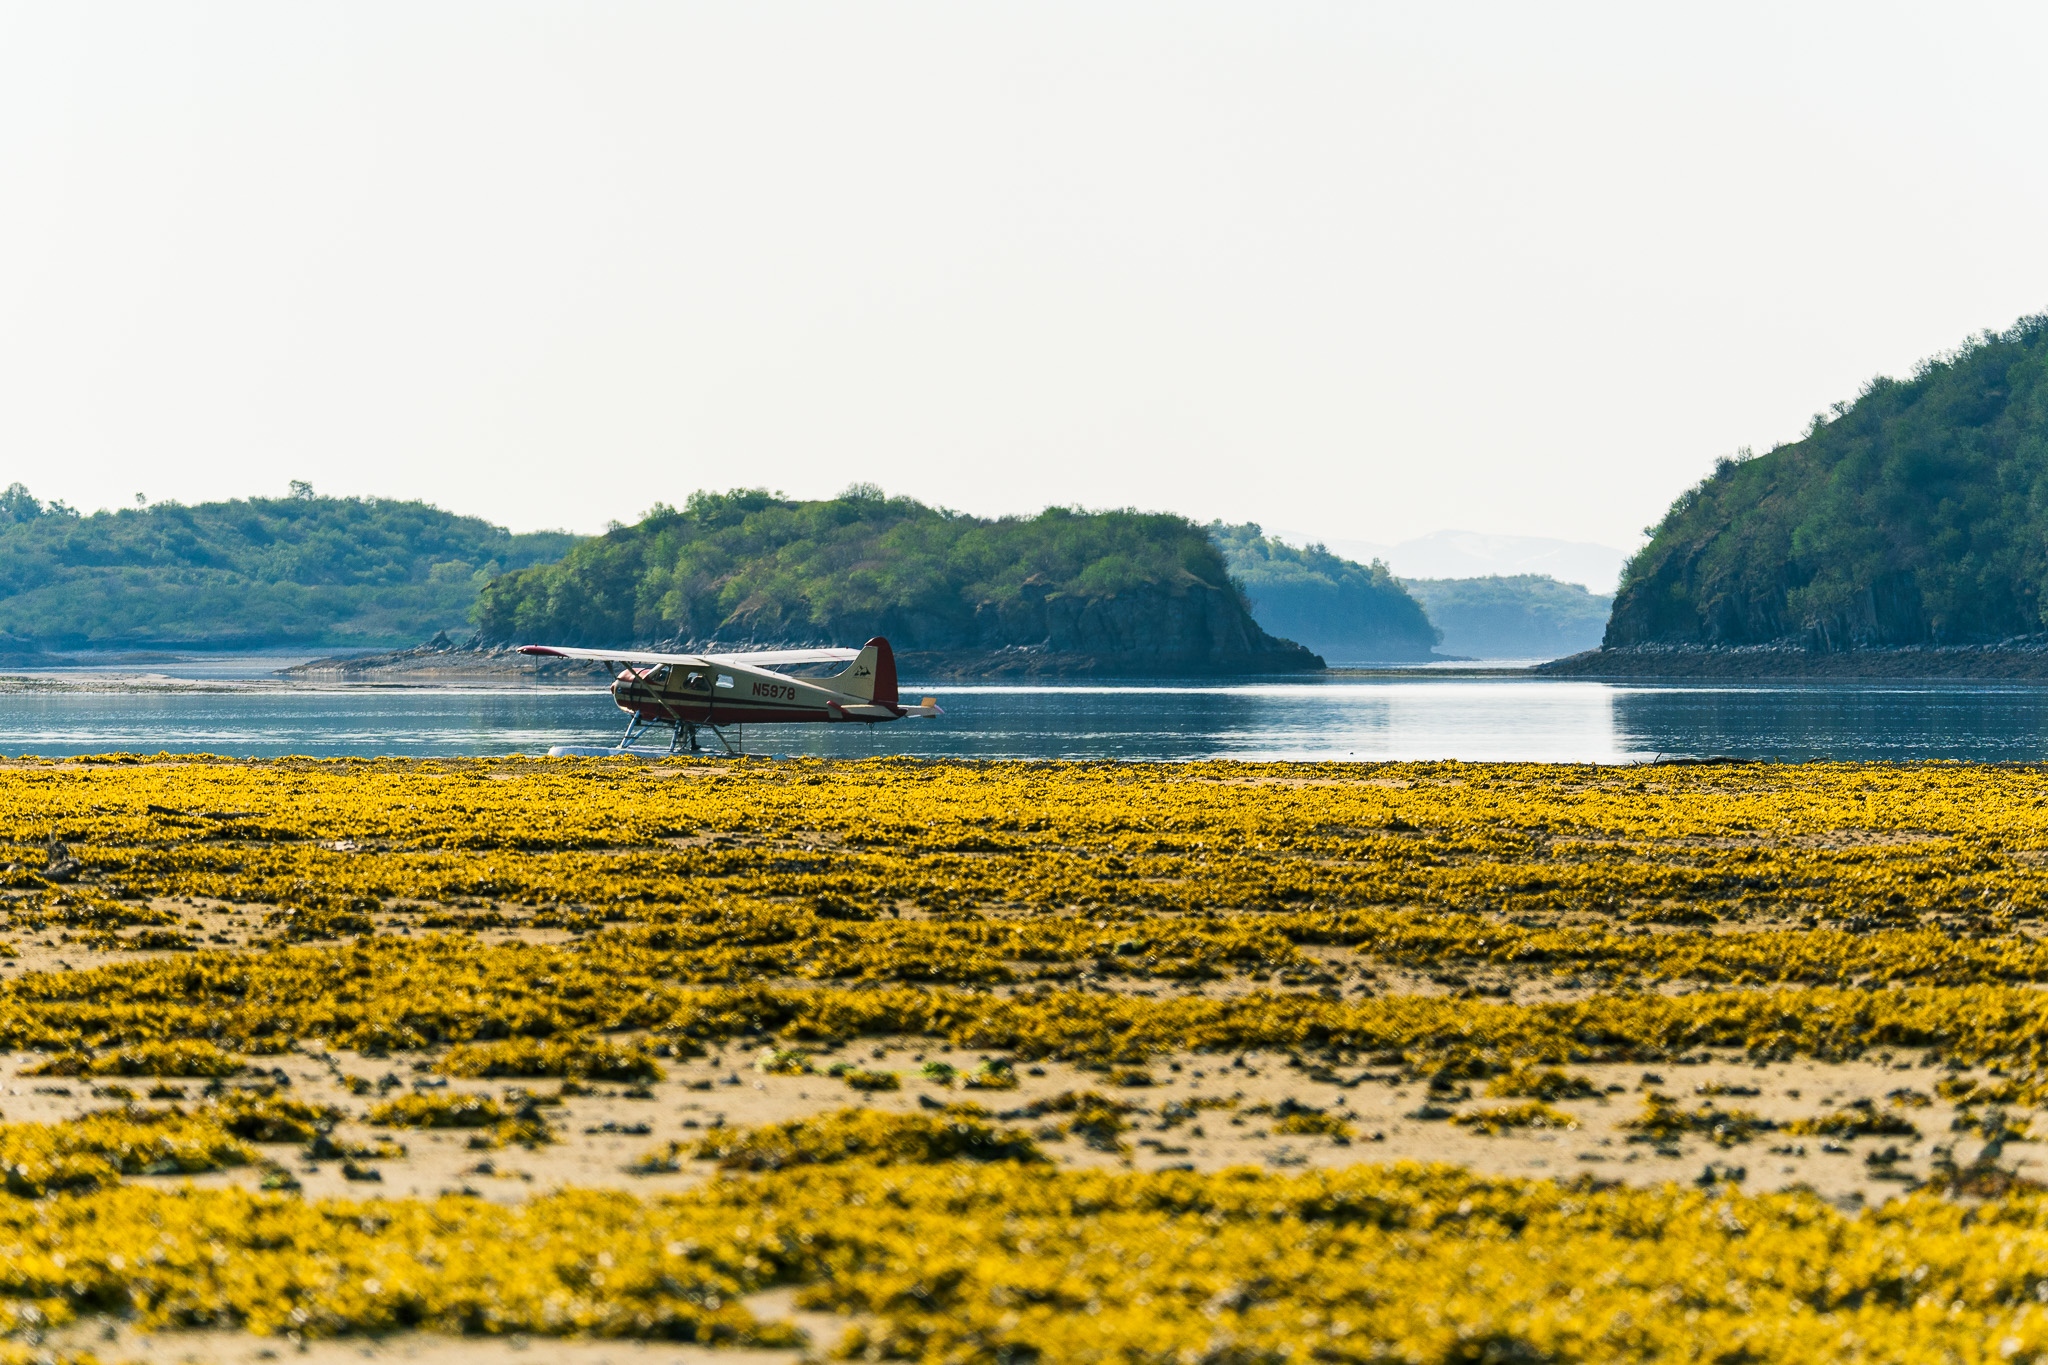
725 680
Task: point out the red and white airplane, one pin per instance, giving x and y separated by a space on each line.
693 692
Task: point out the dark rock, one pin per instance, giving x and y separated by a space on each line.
60 866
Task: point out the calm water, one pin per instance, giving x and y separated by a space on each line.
224 707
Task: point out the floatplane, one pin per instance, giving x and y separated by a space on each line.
692 693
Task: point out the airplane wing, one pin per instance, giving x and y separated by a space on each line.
610 656
759 658
784 658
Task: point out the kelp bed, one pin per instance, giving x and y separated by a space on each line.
1478 926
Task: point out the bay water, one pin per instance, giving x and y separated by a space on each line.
235 705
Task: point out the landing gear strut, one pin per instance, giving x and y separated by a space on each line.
686 729
684 736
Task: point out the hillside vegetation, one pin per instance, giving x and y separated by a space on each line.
1512 616
1345 611
301 570
1917 514
1138 591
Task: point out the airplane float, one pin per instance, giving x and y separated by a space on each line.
691 693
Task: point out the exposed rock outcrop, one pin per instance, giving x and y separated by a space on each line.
19 652
443 660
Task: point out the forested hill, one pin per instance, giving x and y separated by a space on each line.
1916 515
294 571
1345 611
1062 591
1512 616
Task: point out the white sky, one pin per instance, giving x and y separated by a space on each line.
1357 271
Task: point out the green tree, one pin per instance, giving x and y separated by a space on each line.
302 570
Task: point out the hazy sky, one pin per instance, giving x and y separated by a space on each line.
1356 271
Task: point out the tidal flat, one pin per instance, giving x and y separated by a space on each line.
1036 1060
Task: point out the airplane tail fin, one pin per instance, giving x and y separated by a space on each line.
871 676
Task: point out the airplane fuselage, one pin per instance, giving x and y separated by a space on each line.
708 693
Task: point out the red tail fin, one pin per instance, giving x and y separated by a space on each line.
872 676
885 671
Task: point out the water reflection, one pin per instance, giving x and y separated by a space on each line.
1845 721
1349 720
1410 718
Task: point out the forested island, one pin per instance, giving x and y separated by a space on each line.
1906 534
298 571
1349 613
1062 592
